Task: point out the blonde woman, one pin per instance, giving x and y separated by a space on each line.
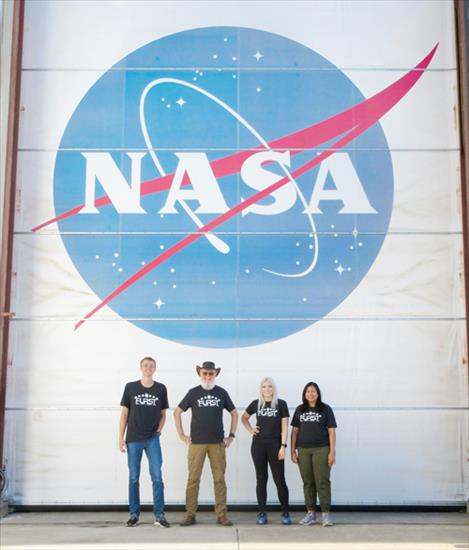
268 446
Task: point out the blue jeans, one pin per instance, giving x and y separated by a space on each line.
152 449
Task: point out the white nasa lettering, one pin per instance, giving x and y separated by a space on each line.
257 177
348 189
101 167
205 188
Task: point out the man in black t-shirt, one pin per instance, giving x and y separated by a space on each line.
207 402
144 404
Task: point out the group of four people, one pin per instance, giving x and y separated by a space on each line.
143 416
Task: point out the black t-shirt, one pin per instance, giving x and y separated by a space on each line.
313 425
145 406
268 419
207 413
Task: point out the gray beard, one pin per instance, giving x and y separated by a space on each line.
207 385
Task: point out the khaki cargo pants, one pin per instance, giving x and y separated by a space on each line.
196 457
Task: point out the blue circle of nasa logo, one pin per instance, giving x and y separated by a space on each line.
223 187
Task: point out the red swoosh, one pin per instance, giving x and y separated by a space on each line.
354 121
309 137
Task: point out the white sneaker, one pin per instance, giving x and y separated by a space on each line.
309 519
326 519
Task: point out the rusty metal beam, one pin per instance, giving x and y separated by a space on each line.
9 204
462 45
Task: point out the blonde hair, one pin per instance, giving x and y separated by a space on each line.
273 403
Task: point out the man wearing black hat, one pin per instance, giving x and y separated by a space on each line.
207 438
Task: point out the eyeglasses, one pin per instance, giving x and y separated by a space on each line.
207 373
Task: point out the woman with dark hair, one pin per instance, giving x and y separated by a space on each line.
313 449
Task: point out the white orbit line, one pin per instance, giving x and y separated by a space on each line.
215 241
210 236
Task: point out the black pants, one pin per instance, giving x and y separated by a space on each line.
265 452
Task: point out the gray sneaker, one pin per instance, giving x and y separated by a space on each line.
309 519
326 519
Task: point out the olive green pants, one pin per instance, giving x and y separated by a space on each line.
316 475
196 458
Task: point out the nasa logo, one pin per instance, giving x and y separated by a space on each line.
224 186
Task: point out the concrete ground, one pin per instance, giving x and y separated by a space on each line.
352 531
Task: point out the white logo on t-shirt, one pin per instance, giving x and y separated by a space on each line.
310 417
146 399
267 411
208 401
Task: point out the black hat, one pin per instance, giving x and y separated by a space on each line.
208 365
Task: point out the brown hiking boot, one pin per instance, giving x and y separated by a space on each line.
187 520
223 520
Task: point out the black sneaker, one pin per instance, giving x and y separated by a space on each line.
162 522
132 522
